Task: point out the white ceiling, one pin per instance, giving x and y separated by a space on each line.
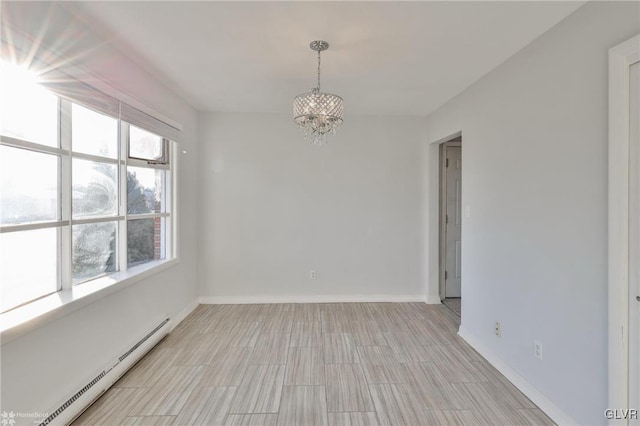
397 58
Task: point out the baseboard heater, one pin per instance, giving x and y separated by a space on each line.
75 405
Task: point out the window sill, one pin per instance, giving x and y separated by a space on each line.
27 318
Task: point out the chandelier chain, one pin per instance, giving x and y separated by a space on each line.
318 70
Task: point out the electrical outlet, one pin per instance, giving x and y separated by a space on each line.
498 329
537 349
312 274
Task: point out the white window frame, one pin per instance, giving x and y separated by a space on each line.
22 319
166 165
66 140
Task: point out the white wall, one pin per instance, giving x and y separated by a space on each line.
277 207
535 175
40 368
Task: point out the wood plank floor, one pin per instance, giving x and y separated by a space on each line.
454 303
314 364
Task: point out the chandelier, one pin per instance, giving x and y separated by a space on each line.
316 112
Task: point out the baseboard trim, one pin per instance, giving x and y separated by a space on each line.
433 300
231 300
180 316
544 403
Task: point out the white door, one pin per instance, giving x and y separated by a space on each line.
453 220
634 242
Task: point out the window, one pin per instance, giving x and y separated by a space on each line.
147 192
84 192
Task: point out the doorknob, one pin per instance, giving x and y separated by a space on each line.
638 298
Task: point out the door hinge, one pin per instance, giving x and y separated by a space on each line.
446 219
447 163
446 275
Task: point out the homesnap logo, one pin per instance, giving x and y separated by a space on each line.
7 418
10 418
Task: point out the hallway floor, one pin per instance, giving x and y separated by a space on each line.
314 364
455 304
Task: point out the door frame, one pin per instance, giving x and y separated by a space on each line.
443 212
620 59
432 208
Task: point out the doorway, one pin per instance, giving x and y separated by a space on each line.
634 241
451 224
624 232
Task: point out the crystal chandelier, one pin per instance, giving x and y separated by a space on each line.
316 112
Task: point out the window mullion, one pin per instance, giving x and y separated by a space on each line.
147 216
122 228
31 146
95 158
98 219
65 232
33 225
171 203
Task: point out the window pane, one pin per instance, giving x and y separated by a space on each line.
29 112
145 145
95 189
94 250
28 186
28 266
93 133
145 190
145 240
